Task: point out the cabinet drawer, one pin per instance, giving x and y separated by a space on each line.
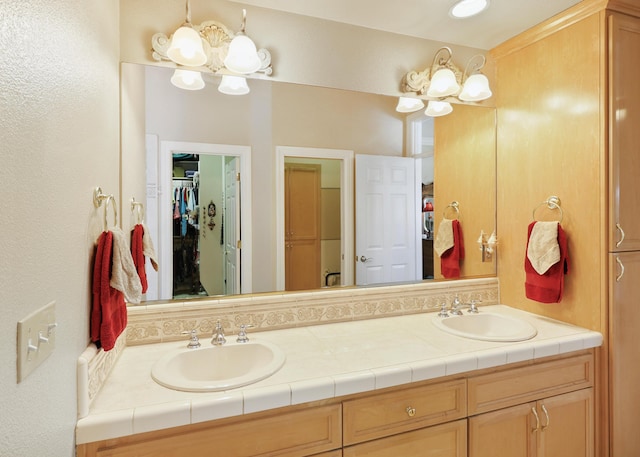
385 414
445 440
294 434
520 385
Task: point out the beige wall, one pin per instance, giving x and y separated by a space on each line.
551 142
59 139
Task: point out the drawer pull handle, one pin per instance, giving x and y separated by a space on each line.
411 411
621 265
546 414
621 235
537 427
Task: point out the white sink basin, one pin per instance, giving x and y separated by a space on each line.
487 326
215 368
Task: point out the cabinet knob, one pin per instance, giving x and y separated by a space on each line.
411 411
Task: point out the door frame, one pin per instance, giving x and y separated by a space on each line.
165 232
346 207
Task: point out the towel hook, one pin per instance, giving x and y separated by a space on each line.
455 206
98 198
139 208
552 203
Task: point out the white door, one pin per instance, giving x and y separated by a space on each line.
231 227
386 219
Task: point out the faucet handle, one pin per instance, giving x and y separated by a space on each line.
473 307
443 311
242 334
194 342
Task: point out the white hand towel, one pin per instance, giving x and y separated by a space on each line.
444 237
124 276
543 251
147 247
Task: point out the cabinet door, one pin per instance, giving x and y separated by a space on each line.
566 425
506 432
624 147
624 373
445 440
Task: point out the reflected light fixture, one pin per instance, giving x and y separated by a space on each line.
186 46
409 105
437 108
443 79
187 79
468 8
233 85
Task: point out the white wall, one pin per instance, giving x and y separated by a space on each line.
59 139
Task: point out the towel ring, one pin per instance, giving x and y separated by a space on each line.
552 203
98 198
139 208
455 206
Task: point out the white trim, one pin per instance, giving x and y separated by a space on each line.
165 256
346 203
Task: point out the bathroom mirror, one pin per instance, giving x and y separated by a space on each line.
460 147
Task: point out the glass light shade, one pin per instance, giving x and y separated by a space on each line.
187 79
233 85
468 8
443 84
475 88
186 48
437 108
409 105
242 56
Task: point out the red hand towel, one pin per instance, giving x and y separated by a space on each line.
548 287
450 259
109 310
138 255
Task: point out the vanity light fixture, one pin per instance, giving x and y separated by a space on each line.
468 8
187 79
211 45
233 85
444 79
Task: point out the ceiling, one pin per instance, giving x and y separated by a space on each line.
429 19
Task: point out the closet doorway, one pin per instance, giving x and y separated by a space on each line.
221 214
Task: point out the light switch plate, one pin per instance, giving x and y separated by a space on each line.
36 339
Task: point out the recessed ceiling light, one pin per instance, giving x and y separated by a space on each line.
468 8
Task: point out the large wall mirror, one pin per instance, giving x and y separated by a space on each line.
297 146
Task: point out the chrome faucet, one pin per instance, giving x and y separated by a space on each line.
218 335
194 343
457 305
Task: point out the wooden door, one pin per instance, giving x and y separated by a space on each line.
624 118
302 226
505 432
567 425
624 372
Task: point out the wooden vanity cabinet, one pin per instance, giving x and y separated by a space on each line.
543 410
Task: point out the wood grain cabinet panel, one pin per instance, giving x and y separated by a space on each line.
400 411
445 440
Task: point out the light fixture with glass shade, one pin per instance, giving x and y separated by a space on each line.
468 8
409 105
436 108
233 85
187 79
212 46
443 80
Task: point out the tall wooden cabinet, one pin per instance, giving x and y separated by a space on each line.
624 233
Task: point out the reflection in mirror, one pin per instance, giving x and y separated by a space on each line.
277 114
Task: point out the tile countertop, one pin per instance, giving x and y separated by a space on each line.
323 361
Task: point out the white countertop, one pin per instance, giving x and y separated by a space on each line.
323 361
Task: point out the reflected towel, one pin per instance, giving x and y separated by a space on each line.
450 259
147 248
444 237
543 249
137 254
547 287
